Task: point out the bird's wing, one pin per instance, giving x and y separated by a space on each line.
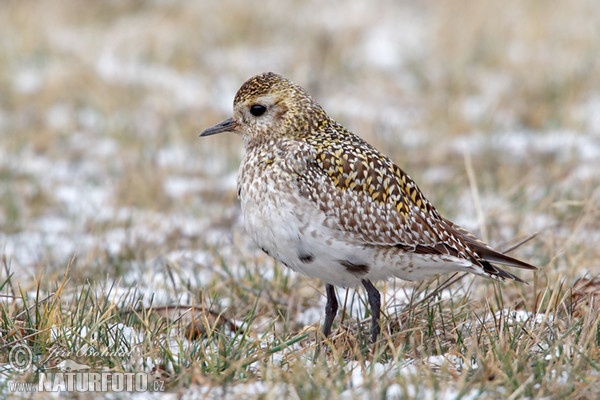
376 203
369 196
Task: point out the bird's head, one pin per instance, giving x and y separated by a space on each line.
268 106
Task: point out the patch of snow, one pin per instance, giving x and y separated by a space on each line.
310 315
179 186
243 390
186 89
521 144
589 114
520 316
59 116
27 80
386 372
380 48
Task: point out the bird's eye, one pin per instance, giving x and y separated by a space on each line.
257 110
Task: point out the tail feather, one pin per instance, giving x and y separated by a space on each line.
484 255
493 271
490 254
485 251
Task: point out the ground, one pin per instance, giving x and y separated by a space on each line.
121 237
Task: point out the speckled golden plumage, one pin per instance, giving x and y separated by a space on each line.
326 203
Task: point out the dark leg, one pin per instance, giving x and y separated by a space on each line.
330 309
375 302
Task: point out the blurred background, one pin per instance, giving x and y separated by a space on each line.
101 104
111 206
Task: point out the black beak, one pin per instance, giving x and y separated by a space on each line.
228 125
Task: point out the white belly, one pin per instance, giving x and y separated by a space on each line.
290 228
293 230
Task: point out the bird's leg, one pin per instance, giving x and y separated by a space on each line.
330 309
375 302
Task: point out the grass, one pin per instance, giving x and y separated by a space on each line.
441 340
121 236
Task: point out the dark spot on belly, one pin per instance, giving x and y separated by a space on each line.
355 269
306 258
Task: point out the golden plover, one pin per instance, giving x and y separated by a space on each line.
324 202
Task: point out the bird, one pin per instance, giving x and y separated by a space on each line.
325 203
